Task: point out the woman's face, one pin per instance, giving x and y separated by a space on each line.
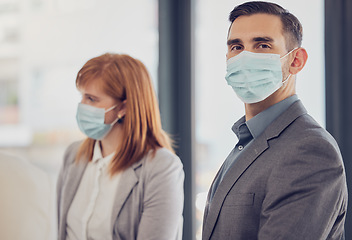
93 95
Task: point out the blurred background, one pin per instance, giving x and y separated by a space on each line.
44 43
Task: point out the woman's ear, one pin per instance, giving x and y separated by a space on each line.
122 111
298 61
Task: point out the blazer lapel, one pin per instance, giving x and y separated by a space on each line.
128 181
231 177
257 147
75 173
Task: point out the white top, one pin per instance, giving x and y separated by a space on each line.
89 215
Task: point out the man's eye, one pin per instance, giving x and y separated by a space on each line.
263 46
236 48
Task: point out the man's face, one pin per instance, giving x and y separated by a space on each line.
258 33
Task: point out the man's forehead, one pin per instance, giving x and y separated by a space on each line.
256 25
259 17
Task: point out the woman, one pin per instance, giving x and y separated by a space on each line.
124 181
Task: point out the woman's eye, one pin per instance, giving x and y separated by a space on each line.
90 98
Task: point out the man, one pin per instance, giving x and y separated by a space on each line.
26 204
285 178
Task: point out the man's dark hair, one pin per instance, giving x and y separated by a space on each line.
292 28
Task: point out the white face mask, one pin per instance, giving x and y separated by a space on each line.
255 76
91 121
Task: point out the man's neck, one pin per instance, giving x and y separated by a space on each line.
252 109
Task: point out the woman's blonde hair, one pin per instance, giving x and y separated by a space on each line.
125 78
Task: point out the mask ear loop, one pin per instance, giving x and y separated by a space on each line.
109 109
118 119
283 82
115 121
288 53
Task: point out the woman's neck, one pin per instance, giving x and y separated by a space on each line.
111 142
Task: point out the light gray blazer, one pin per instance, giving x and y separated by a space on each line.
148 204
289 184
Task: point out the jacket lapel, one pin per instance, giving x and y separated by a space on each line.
128 181
257 147
75 173
231 177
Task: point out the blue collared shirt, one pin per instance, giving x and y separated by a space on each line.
246 132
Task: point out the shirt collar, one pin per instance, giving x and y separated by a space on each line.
236 126
262 120
98 156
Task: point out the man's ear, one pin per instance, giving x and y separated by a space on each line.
300 57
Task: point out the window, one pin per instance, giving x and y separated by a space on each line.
43 44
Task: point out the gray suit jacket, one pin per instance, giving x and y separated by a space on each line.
148 204
289 184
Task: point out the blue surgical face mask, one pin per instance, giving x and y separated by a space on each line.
91 121
255 76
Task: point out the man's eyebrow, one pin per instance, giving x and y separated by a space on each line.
233 41
255 39
263 39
